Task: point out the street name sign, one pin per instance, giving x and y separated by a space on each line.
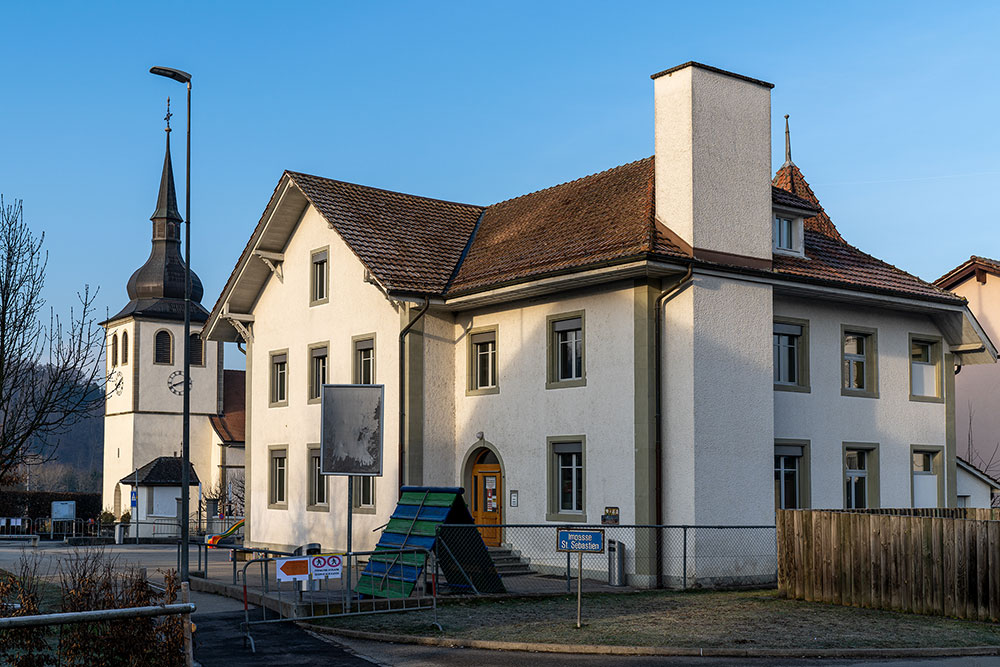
582 541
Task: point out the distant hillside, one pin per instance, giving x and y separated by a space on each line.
79 456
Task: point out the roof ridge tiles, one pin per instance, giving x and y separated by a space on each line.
570 182
385 190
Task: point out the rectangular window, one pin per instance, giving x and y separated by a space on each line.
856 462
567 479
279 378
364 492
926 478
364 361
278 478
859 375
483 362
566 351
925 370
784 234
319 282
317 371
791 355
786 482
317 480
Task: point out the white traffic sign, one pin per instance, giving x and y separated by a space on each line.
326 566
292 569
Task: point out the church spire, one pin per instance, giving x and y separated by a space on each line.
788 144
166 218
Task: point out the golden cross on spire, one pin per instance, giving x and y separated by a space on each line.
167 117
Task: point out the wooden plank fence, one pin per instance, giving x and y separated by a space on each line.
942 561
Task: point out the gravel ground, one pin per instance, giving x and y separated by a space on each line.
700 619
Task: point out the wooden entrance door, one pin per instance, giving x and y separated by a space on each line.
487 497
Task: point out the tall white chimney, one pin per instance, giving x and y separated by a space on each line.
713 161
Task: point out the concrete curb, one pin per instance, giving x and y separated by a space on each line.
720 652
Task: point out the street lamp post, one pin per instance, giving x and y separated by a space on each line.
185 78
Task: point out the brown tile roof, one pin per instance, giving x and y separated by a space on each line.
231 424
427 246
967 268
600 218
410 243
829 258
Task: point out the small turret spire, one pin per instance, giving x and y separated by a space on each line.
166 212
788 143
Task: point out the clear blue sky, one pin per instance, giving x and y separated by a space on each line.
894 112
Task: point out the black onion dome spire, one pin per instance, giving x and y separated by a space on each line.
156 289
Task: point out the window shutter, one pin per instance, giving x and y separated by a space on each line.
196 350
568 325
787 329
788 450
319 257
279 358
368 344
567 448
319 352
485 337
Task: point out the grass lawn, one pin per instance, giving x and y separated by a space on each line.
49 593
690 619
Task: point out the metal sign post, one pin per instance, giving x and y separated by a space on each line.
350 536
351 428
580 541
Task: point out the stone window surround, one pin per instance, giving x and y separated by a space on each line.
271 379
309 376
872 489
871 361
803 353
272 450
312 275
553 512
470 388
552 351
805 468
937 352
313 449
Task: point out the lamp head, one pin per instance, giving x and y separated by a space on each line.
171 73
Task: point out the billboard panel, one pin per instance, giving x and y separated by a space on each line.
351 429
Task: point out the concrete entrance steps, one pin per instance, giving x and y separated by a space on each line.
509 563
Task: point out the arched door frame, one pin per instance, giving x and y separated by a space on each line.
473 453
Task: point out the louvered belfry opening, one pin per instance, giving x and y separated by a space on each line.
163 348
196 350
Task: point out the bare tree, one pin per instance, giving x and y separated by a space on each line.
991 465
229 491
45 370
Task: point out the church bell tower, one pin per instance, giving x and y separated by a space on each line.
144 407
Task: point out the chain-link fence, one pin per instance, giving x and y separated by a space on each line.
526 560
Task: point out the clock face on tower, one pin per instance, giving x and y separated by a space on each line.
176 383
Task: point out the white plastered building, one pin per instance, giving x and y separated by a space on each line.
683 338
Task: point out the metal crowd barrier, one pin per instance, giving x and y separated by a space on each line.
312 599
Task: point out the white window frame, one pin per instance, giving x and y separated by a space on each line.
787 234
364 485
363 354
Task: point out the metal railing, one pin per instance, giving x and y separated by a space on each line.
312 599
